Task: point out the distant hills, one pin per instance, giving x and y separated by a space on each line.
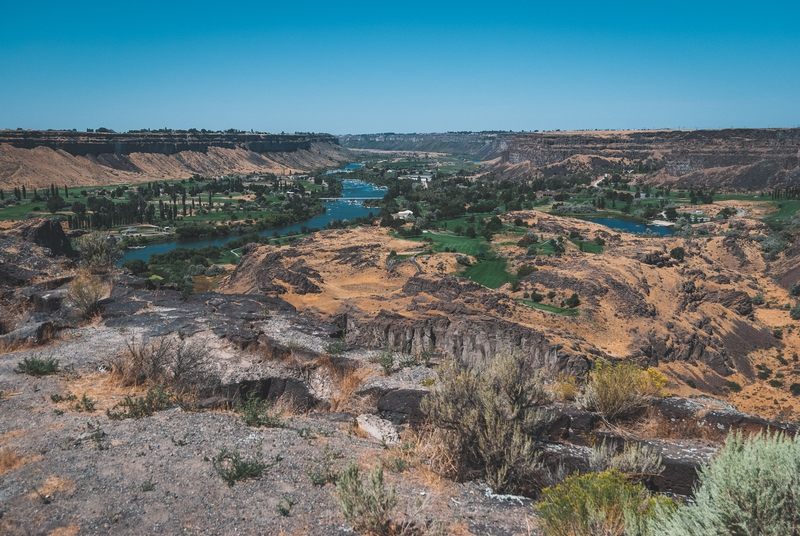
731 159
39 158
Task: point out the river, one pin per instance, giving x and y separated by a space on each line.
632 227
335 210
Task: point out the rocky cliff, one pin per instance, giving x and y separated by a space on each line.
38 158
745 159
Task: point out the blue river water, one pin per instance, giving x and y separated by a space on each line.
631 227
336 210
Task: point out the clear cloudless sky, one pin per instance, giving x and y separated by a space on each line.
385 66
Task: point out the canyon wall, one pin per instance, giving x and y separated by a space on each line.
38 158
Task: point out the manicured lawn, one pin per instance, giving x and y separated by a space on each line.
460 244
786 210
489 273
587 247
550 308
18 212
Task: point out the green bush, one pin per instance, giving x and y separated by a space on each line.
794 312
233 468
597 504
35 366
572 301
751 487
776 383
678 253
795 389
733 386
489 421
156 399
525 269
97 251
758 299
366 508
256 412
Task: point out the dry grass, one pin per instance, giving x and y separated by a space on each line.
106 389
85 292
347 383
9 460
654 426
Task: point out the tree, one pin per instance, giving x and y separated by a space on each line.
678 253
55 203
573 301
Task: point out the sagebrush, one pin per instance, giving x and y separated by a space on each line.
84 293
182 365
598 504
752 487
490 421
621 390
365 507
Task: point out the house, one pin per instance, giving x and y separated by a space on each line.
402 215
545 193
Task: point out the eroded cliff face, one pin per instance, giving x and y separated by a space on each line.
38 158
747 159
692 319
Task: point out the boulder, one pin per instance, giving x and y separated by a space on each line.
47 233
378 428
402 405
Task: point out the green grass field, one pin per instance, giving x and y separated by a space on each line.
489 273
786 210
19 212
587 247
550 308
461 244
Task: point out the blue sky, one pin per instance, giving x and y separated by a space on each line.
359 67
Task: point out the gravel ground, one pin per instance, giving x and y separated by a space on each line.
82 473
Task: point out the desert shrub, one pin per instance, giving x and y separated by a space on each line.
691 384
621 390
777 333
597 504
365 507
183 365
758 299
232 467
572 301
752 487
37 366
795 389
84 293
794 312
489 421
776 383
565 387
794 290
637 461
677 253
324 472
215 270
156 399
195 270
97 251
256 412
733 386
525 269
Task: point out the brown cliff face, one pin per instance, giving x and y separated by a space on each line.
746 159
39 158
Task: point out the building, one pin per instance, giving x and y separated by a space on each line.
402 215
